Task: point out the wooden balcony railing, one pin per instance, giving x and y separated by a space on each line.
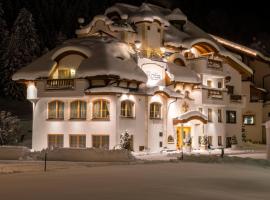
236 98
60 84
214 64
215 94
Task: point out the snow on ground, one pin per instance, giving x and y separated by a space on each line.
141 181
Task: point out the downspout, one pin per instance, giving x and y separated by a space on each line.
167 121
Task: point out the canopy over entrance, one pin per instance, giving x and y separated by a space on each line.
190 115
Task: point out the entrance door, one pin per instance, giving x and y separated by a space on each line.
228 142
181 137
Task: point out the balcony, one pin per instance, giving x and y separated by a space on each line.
214 65
204 65
60 84
215 94
236 98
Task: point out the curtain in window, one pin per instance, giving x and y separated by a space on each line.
73 109
60 110
96 109
105 109
82 109
52 110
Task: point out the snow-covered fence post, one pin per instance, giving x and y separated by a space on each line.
267 126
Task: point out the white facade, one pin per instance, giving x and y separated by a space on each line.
175 79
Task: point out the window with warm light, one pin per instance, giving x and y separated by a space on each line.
101 109
209 83
249 119
127 108
78 110
100 141
155 110
77 141
56 110
55 141
210 118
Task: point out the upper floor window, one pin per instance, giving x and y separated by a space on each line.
155 110
78 110
219 115
230 89
101 109
127 108
56 110
231 117
209 83
249 119
210 118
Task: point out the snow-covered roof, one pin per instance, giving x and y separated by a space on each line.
183 74
104 56
190 115
176 15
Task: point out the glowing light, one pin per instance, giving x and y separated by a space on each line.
162 49
31 91
138 44
72 72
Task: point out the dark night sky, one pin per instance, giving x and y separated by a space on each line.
233 19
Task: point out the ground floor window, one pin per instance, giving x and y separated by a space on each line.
219 140
100 141
55 140
199 140
210 140
231 117
77 141
249 119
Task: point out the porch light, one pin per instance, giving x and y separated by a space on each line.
162 49
138 44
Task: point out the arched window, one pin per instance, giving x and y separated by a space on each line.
155 110
56 110
101 109
78 110
179 62
127 108
170 139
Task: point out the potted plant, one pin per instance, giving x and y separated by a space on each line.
204 143
234 142
187 142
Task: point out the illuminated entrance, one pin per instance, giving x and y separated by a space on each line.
181 135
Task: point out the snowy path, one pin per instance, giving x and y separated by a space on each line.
141 181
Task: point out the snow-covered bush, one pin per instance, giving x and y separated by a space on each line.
204 140
9 128
125 141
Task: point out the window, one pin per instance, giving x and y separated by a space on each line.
219 140
210 118
210 141
148 28
100 141
249 119
219 84
200 110
170 139
101 109
231 117
219 115
155 110
160 144
209 83
160 134
77 141
55 140
158 30
230 89
127 108
64 73
56 110
78 110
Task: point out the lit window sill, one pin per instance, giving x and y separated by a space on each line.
127 117
55 119
77 119
100 119
155 118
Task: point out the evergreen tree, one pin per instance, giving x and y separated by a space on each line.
23 47
125 141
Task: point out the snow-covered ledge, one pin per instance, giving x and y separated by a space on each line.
267 126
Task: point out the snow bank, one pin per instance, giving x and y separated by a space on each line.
86 155
217 159
13 152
